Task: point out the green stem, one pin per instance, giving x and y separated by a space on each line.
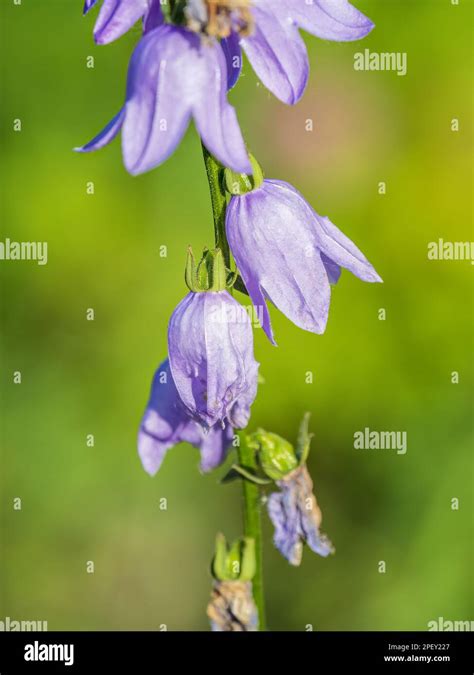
251 492
253 525
214 172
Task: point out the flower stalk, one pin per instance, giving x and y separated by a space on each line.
215 172
252 516
252 507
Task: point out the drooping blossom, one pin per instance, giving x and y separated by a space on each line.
290 255
210 346
267 30
167 422
174 77
297 517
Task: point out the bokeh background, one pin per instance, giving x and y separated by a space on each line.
82 377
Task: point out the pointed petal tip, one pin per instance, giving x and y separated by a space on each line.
269 333
100 39
360 31
377 278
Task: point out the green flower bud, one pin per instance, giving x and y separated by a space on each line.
276 456
235 564
209 274
238 184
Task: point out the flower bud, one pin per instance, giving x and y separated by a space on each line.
234 564
276 456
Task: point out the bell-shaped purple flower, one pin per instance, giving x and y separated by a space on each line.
267 30
173 77
289 254
167 422
210 346
297 517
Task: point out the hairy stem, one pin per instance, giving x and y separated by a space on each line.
251 491
214 172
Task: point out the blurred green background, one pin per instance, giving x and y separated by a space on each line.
82 377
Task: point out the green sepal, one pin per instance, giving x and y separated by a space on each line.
303 442
219 563
240 286
210 274
236 564
238 184
248 566
234 561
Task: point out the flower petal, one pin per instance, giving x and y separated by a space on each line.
283 512
216 119
106 135
167 422
163 421
214 446
327 19
239 414
296 517
154 16
333 271
340 250
158 108
233 56
116 17
272 237
88 5
210 346
278 54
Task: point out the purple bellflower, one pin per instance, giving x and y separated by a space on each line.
174 76
167 422
289 254
297 517
210 343
267 30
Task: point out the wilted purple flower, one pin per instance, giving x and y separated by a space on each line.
167 422
210 346
174 76
232 607
116 17
297 517
289 254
